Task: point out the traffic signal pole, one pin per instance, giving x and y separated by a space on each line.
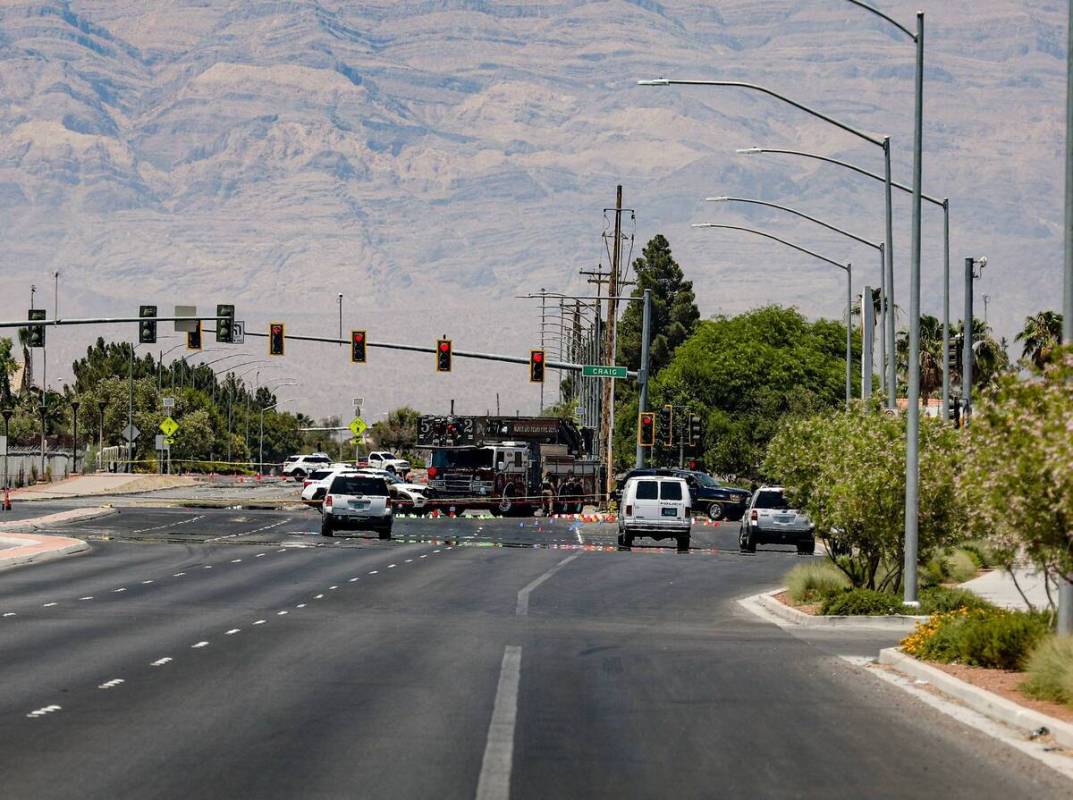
646 335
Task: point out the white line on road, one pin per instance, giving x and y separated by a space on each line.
317 596
374 572
120 589
232 632
87 597
199 644
391 566
494 781
281 613
352 580
160 661
332 587
523 596
170 524
235 560
147 582
300 605
49 605
111 684
9 613
579 539
425 555
42 711
178 574
250 533
260 622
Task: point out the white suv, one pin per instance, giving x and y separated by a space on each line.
655 506
383 459
357 501
298 467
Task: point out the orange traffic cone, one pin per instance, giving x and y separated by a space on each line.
7 499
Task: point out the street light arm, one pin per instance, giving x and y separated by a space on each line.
881 15
879 142
837 163
796 213
773 238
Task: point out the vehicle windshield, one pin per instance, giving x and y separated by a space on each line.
706 480
771 499
387 455
359 484
462 458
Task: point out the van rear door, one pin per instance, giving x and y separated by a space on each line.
646 500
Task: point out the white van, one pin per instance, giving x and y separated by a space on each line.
656 506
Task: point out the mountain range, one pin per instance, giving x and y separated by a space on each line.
435 160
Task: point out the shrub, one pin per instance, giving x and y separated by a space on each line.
980 637
940 599
861 602
812 582
980 553
1050 670
950 566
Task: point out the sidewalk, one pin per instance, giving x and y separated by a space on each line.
998 587
100 484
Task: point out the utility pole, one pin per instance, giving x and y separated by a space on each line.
543 315
868 321
607 419
1065 589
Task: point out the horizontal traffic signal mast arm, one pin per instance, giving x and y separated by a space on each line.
22 323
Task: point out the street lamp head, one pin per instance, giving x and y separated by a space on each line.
982 261
656 82
716 199
749 150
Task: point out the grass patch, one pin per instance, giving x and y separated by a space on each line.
940 599
978 637
1050 670
812 582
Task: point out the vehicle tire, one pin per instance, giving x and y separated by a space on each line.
298 475
326 528
621 541
715 512
746 543
627 540
806 548
506 502
683 543
384 532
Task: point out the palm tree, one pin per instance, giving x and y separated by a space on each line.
27 361
1041 334
931 355
990 358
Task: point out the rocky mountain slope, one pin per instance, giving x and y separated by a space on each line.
432 159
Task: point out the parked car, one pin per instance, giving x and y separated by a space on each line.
713 498
657 506
770 520
357 502
620 483
315 485
383 459
406 495
298 467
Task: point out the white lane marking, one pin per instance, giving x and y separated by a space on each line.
49 605
281 613
579 539
160 661
523 596
374 572
494 780
87 597
120 589
178 574
352 580
235 560
111 684
260 622
199 644
259 555
250 533
42 711
146 582
9 613
391 566
435 551
425 555
317 596
207 566
232 632
409 560
300 605
171 524
332 587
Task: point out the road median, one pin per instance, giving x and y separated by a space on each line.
769 602
19 546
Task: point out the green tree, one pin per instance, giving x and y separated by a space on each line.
931 356
398 432
1041 334
1018 479
847 472
743 375
674 308
8 367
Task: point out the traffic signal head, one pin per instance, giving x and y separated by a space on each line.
357 347
193 338
37 332
276 339
666 424
225 324
536 366
147 325
646 429
443 355
695 431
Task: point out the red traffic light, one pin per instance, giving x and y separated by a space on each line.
444 347
359 337
538 357
646 420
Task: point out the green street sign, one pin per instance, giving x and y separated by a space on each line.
597 371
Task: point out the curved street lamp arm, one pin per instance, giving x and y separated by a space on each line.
773 238
836 162
879 142
797 213
881 15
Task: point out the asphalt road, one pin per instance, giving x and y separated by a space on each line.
274 663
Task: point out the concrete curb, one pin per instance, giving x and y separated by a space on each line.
72 515
991 705
767 601
35 549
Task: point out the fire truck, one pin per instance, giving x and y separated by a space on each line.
506 464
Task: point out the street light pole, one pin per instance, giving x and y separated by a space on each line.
967 343
646 334
848 268
1065 589
74 435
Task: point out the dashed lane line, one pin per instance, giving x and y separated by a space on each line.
160 661
200 644
250 533
494 780
111 684
170 524
232 632
43 711
522 608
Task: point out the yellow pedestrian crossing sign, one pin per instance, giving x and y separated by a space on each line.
169 426
358 426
